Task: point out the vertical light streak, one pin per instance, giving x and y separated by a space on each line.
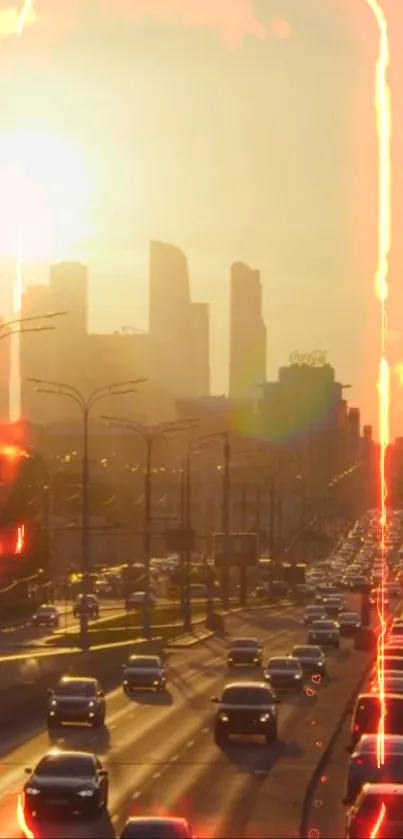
378 824
15 376
384 131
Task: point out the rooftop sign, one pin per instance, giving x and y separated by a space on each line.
316 358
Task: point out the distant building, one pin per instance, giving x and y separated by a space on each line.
248 336
304 411
5 359
353 434
69 294
37 356
219 413
200 318
178 328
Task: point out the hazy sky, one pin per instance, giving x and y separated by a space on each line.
264 152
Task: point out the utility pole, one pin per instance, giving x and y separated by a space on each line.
243 572
226 500
272 538
85 533
147 537
187 622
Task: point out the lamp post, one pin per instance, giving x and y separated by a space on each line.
10 328
85 404
149 434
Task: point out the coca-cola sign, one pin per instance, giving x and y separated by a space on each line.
315 358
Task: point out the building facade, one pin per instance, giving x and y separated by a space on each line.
248 336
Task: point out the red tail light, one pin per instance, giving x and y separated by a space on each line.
356 727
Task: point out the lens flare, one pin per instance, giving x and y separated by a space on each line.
378 824
384 130
26 15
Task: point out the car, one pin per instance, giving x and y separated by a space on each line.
144 671
364 814
76 699
313 613
285 672
246 652
325 633
46 616
65 782
153 827
332 606
393 647
363 765
138 598
392 662
246 708
367 712
86 604
349 623
311 658
392 682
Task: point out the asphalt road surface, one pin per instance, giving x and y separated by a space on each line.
161 756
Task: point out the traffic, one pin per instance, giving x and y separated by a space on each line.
221 739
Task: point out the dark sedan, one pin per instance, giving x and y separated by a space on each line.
154 827
349 623
73 783
311 658
246 652
142 672
363 766
285 672
46 616
246 708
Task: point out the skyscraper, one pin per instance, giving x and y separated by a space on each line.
69 293
200 319
37 358
171 322
247 333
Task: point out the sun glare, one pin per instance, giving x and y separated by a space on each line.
46 189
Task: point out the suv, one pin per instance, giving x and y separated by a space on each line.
245 651
86 604
367 714
246 708
76 699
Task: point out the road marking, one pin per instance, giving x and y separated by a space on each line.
190 743
174 758
136 795
157 775
204 730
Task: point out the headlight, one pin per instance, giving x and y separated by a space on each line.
230 658
156 682
125 682
223 718
86 793
32 791
264 717
297 676
91 704
53 703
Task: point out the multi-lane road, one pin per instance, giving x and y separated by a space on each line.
162 758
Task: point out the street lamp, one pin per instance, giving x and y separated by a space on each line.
7 329
149 434
85 404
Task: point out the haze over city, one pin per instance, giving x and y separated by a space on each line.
263 151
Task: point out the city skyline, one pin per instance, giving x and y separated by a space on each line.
210 161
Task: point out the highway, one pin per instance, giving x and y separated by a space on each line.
161 756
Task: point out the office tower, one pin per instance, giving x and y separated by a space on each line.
69 293
5 362
247 333
353 434
200 318
36 355
171 327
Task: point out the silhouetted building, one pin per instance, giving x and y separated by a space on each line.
200 317
178 328
69 293
353 434
37 356
247 333
5 359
